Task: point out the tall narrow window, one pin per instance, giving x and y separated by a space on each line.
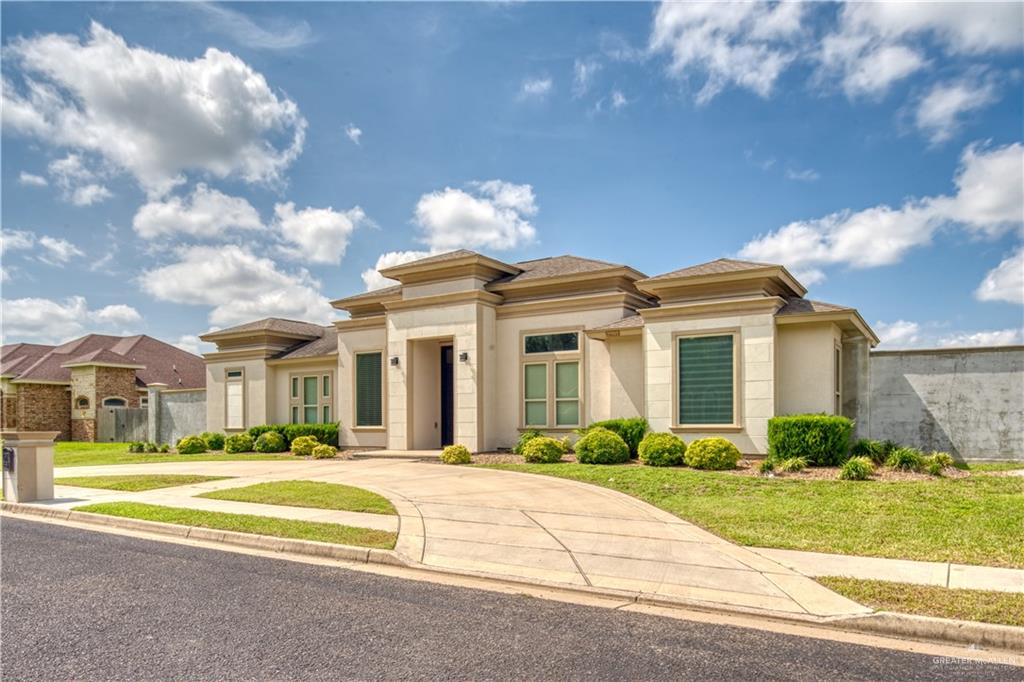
295 388
706 378
535 393
309 400
234 399
326 385
369 396
837 371
567 394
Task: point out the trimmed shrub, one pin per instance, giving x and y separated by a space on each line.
150 447
303 446
662 450
766 466
240 442
135 446
214 440
456 454
631 430
793 465
875 450
191 445
524 438
601 446
543 450
270 441
823 439
323 451
857 468
905 459
712 453
325 433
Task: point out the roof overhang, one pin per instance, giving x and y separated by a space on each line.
257 335
307 360
620 271
750 305
847 320
777 279
365 304
468 265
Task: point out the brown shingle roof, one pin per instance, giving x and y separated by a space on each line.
798 306
275 325
631 322
325 345
99 356
394 289
558 266
715 267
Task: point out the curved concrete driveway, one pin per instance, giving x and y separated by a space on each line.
531 527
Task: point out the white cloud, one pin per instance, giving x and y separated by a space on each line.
745 45
280 34
58 251
318 235
939 112
238 285
898 334
618 99
205 213
353 133
905 334
491 215
989 201
150 114
77 181
803 175
31 180
190 343
44 320
535 88
1005 282
583 72
865 66
996 337
16 240
372 277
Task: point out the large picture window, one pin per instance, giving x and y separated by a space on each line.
369 394
551 380
706 367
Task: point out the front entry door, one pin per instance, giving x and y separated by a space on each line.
447 396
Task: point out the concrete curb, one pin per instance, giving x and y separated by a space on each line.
897 625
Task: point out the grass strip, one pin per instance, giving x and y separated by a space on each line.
984 606
315 494
136 483
248 523
71 454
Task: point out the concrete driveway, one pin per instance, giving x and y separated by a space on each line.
524 526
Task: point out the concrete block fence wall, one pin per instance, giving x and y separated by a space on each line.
968 402
174 413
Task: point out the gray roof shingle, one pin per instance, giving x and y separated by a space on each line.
715 267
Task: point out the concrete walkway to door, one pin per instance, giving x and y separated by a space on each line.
523 526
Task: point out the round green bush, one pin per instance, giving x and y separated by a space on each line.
455 454
322 451
524 438
303 446
601 446
214 440
240 442
662 450
543 450
905 459
271 441
712 453
857 469
191 445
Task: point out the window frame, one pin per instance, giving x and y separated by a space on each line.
124 401
356 426
552 359
240 379
297 405
737 380
837 377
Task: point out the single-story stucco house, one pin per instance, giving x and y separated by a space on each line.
61 388
472 350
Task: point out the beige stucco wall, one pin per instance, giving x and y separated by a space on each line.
349 343
254 392
444 287
806 362
756 383
625 377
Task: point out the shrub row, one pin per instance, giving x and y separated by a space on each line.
822 439
324 433
148 447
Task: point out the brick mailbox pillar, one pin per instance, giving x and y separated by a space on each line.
28 465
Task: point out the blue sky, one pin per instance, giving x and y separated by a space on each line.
168 168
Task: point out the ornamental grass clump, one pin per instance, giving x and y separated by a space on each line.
303 446
905 459
662 450
544 450
601 446
793 465
937 462
857 469
712 453
456 454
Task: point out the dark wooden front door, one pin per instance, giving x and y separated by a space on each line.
447 396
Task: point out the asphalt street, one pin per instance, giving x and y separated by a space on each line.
85 605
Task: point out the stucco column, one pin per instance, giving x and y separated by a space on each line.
153 411
28 465
856 385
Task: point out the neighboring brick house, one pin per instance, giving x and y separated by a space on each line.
59 388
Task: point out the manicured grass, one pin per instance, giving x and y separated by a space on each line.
994 466
247 523
136 483
315 494
975 520
1003 608
66 454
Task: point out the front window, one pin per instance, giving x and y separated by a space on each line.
234 399
551 380
552 343
535 392
706 380
310 398
114 402
369 389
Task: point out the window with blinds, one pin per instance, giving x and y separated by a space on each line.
369 396
706 378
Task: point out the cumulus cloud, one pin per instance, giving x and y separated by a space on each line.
32 180
58 251
16 240
204 214
535 88
372 277
318 235
802 175
44 320
745 45
939 113
77 182
988 202
906 334
898 334
995 337
1005 282
353 133
487 215
237 285
150 114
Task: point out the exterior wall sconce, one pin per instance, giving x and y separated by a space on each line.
463 357
394 361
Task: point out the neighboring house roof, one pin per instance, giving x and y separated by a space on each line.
159 362
272 325
559 266
715 267
325 345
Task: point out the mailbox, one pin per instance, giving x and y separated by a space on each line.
28 465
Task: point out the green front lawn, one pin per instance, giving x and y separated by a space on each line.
308 494
974 520
247 523
69 454
1003 608
136 483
